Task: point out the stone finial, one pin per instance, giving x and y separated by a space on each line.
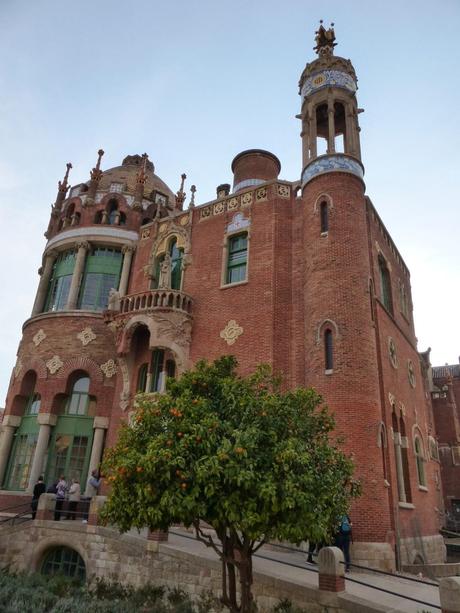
96 172
449 594
192 199
63 187
142 175
180 196
325 40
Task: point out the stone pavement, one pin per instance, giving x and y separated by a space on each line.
291 566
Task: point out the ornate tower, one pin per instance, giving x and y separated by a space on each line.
341 343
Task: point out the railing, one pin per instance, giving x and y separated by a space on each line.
161 299
17 514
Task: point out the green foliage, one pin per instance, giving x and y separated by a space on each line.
232 451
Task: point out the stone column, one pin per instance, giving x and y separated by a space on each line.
46 420
449 594
331 570
331 127
76 276
399 467
313 132
127 251
8 427
42 290
100 425
349 140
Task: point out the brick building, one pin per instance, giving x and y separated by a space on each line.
446 407
301 274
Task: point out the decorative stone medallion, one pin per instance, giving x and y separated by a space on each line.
54 364
284 191
246 199
86 336
261 194
39 337
219 208
184 220
411 372
145 234
109 368
392 352
205 213
232 204
231 332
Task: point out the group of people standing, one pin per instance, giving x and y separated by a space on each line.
63 491
342 540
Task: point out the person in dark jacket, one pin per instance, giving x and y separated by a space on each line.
343 539
39 489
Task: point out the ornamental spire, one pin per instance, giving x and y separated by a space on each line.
180 196
96 172
63 187
96 175
325 40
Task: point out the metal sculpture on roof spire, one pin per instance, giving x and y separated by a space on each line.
180 196
63 185
96 173
142 175
325 40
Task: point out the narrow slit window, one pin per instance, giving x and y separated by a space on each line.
324 215
328 349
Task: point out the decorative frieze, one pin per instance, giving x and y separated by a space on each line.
261 194
86 336
54 364
231 332
109 368
39 337
392 352
411 373
246 199
145 234
284 191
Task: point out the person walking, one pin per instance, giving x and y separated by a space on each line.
61 490
74 499
344 538
39 489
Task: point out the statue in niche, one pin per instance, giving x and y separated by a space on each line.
164 280
114 300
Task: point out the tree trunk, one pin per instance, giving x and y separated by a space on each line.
245 569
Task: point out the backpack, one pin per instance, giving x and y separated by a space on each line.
345 526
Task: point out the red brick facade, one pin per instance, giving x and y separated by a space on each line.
320 268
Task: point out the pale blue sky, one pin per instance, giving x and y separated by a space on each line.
194 83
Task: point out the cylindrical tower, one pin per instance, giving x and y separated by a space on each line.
340 342
67 376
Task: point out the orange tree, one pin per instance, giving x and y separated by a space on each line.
253 462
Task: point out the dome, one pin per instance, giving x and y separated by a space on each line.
127 174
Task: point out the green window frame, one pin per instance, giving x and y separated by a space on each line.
64 561
33 404
61 279
102 273
78 402
22 453
142 378
70 449
176 254
237 258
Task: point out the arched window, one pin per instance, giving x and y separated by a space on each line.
176 264
79 398
324 217
385 283
113 213
33 405
405 460
61 279
383 443
64 561
328 349
420 460
142 378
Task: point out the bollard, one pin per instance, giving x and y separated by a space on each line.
331 570
46 506
449 593
97 502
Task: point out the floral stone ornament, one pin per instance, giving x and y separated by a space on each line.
109 368
86 336
231 332
411 372
392 352
54 364
39 337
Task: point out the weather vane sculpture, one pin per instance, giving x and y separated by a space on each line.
325 40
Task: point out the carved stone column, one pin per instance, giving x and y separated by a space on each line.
8 427
100 425
331 127
313 132
42 290
46 421
127 251
77 274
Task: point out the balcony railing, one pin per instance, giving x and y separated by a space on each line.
157 299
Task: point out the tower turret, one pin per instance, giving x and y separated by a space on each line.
329 111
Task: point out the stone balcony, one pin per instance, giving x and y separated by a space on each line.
156 300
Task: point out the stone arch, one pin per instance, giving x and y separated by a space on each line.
382 435
321 327
81 363
323 197
417 433
38 553
36 364
121 200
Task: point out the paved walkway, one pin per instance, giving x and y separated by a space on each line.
291 566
